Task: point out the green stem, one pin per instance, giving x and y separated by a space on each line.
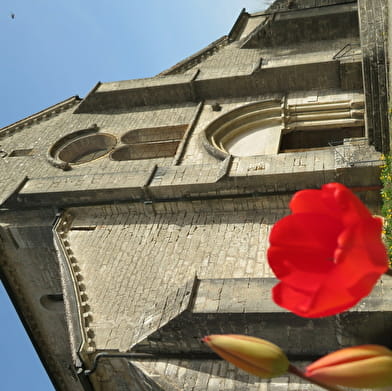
389 272
297 372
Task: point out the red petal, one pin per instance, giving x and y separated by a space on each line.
334 199
315 201
333 297
362 243
312 306
352 208
302 249
298 268
310 230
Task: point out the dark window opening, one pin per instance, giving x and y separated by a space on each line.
150 143
84 228
53 302
304 140
22 152
161 133
145 151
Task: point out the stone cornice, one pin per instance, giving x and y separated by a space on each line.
273 31
194 87
239 25
76 298
41 115
196 58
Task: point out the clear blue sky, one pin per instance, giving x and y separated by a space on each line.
54 49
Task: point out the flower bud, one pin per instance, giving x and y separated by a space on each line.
253 355
366 366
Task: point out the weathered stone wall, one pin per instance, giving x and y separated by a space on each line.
30 270
160 251
146 256
373 16
41 135
284 5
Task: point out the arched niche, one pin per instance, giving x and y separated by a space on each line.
274 126
253 129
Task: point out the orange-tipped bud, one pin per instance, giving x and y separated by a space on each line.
366 366
253 355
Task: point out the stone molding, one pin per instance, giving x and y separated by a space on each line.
40 116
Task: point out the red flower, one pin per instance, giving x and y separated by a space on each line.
328 253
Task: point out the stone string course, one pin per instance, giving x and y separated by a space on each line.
161 251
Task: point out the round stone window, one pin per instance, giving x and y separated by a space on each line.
87 148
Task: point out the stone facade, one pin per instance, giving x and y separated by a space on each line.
136 220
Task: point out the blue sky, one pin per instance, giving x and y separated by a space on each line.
55 49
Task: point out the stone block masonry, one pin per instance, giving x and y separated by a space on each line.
147 256
136 220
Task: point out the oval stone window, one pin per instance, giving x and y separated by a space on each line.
145 151
87 148
161 133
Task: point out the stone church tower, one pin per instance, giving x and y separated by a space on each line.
135 221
